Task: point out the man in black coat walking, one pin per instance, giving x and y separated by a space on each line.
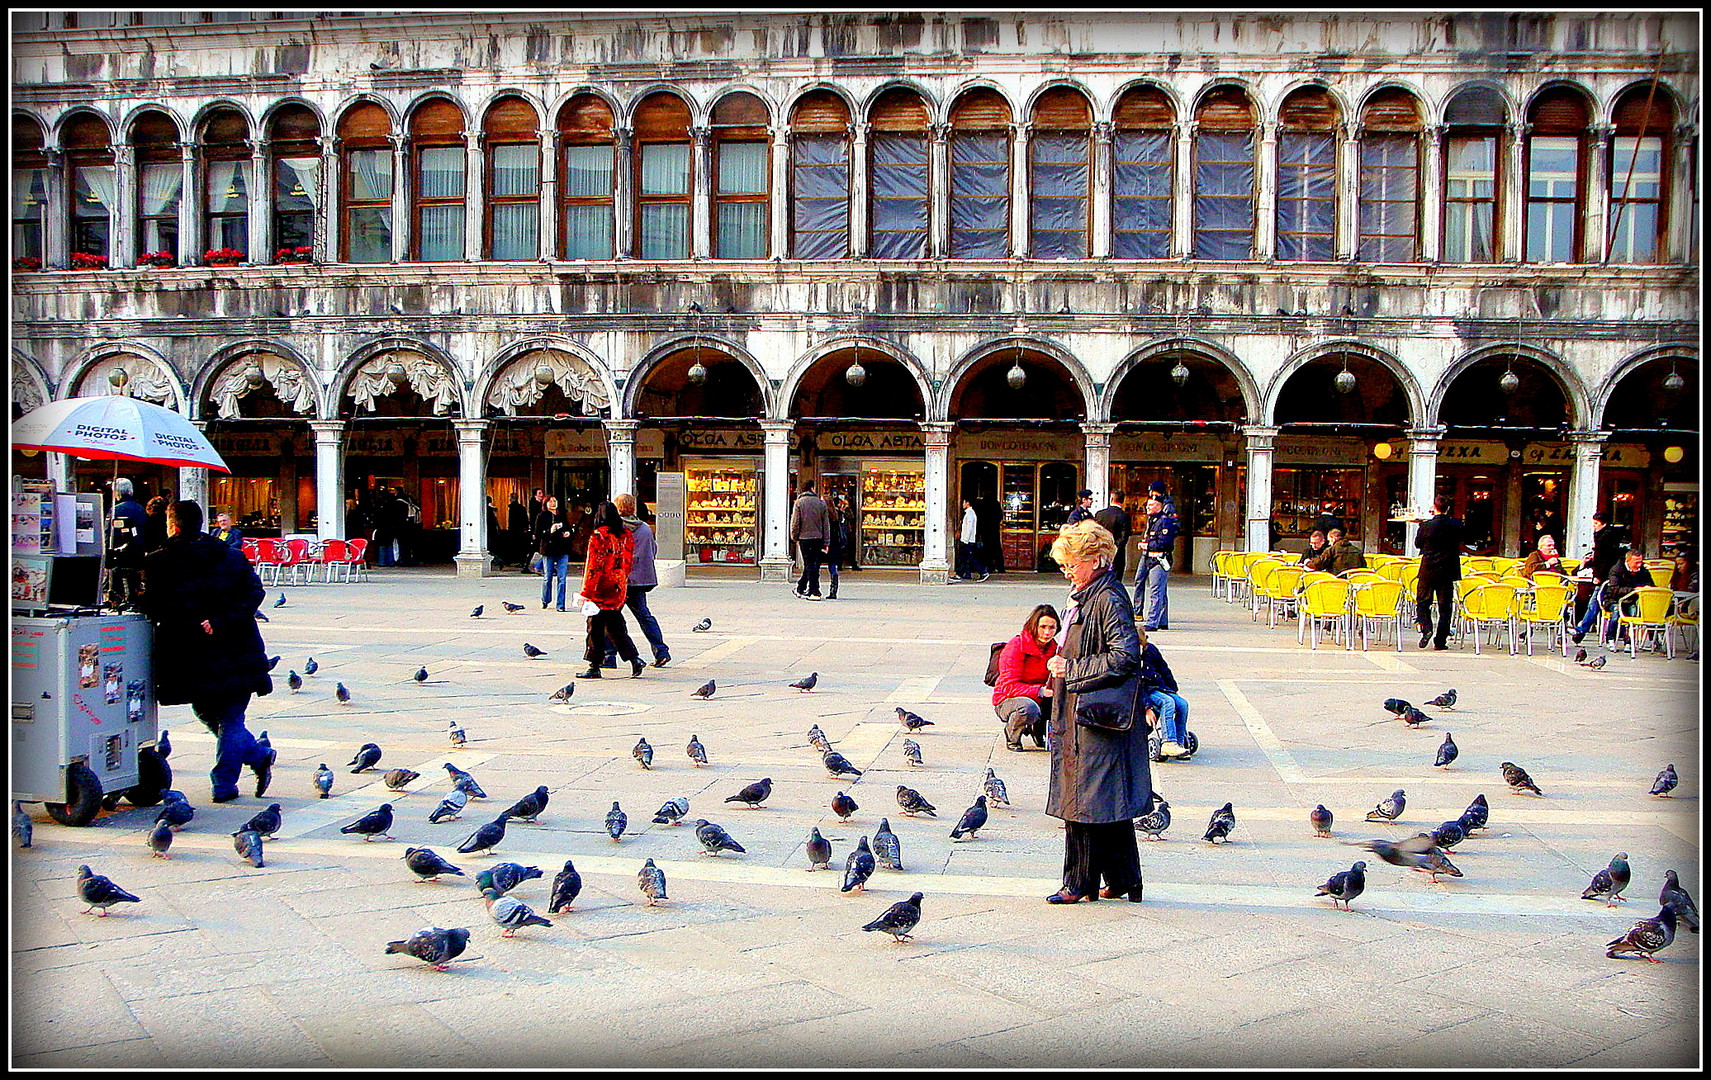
1117 523
1439 542
125 550
201 596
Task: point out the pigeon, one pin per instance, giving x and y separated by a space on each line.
805 685
421 675
912 752
396 779
567 885
433 946
1478 812
342 692
899 919
843 806
163 745
1447 752
1610 881
510 912
911 721
1674 897
466 784
697 752
858 867
23 829
615 822
427 865
509 606
1320 818
564 692
819 850
973 819
280 602
1597 664
1416 853
476 614
1445 700
702 627
310 667
912 802
1580 656
266 822
529 807
651 879
1518 780
531 652
261 616
505 876
294 680
1647 936
1222 821
706 689
1414 717
837 764
817 739
1345 885
994 788
365 758
247 843
643 753
1389 809
272 662
98 891
160 840
372 824
450 808
1396 706
1666 781
455 734
1449 834
887 849
1156 820
714 838
487 837
175 812
755 794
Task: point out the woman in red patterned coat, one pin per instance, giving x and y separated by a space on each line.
605 582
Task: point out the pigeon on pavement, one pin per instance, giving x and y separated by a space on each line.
858 867
1445 700
160 840
1222 821
563 693
1647 936
1345 885
421 675
1414 717
1597 664
1610 881
398 779
343 693
530 806
643 753
163 745
805 685
616 820
427 865
280 602
714 838
697 752
899 919
464 782
1416 853
973 819
1320 818
531 652
510 912
702 627
671 812
365 758
843 806
505 876
324 780
837 764
887 849
310 667
272 662
476 614
995 790
706 689
911 721
450 808
1447 752
23 829
912 802
266 822
98 891
1156 820
1389 809
912 752
754 794
433 945
1665 782
1580 656
509 606
455 734
1449 834
817 739
485 838
1396 706
1518 780
651 879
1674 897
567 885
1478 812
175 811
261 616
294 681
372 824
819 850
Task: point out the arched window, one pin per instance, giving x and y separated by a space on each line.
89 156
29 188
365 189
1224 176
1307 176
741 167
1638 151
160 183
664 178
226 180
980 176
1474 121
820 177
512 159
899 213
1390 178
294 137
1059 175
586 177
1555 210
437 196
1143 161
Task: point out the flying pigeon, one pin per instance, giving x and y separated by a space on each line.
819 850
427 865
280 602
509 606
421 675
1156 820
163 745
266 822
476 614
994 788
487 837
531 652
1674 897
1396 706
365 758
1666 781
911 721
175 811
22 827
567 885
671 812
343 693
310 667
1478 812
1416 853
1447 752
510 912
272 662
564 692
433 946
247 843
702 627
899 919
706 689
1346 885
1580 656
396 779
294 681
455 734
1320 818
1647 936
160 840
912 802
372 824
450 808
98 891
1450 834
1219 826
530 806
1597 664
858 867
887 849
651 879
805 685
1518 780
615 822
697 752
755 794
1389 809
643 753
505 876
714 838
817 739
912 752
972 820
1414 717
837 764
1445 700
1610 881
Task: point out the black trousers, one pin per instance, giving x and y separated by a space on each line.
1105 849
809 582
599 627
1445 591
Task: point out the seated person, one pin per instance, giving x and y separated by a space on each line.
1163 701
1340 554
1685 576
1022 695
1316 547
1544 558
1625 577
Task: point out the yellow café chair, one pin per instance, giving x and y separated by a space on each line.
1280 591
1476 564
1378 602
1219 561
1325 603
1542 607
1662 570
1646 610
1259 573
1685 619
1486 604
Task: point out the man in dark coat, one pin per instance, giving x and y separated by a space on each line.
1439 542
202 598
810 528
1606 545
1117 523
125 551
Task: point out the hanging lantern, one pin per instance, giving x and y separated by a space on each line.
1344 383
1509 382
1673 383
253 375
855 374
697 370
1179 373
1016 377
395 371
544 375
118 377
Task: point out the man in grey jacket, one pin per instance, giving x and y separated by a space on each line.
810 528
643 579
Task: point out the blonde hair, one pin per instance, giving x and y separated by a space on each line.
1086 539
626 504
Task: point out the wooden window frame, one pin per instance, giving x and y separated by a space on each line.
420 142
1041 127
1493 202
158 154
964 127
212 222
685 199
729 130
1154 116
499 132
570 138
1576 203
1619 180
898 114
1366 230
353 144
30 156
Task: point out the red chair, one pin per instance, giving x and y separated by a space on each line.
270 557
252 550
334 560
356 548
299 558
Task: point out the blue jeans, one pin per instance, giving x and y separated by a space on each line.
968 560
832 566
554 566
1153 579
383 553
1172 712
636 599
224 716
1594 608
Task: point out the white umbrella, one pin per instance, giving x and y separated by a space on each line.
116 428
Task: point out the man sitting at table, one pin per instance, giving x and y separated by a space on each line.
1544 558
1340 554
1316 547
1629 574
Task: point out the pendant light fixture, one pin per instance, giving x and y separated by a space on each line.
697 370
1016 377
855 374
1344 383
1673 383
1179 373
1509 382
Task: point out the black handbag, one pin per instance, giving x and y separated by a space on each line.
1111 708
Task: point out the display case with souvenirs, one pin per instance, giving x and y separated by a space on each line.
893 516
1680 521
719 513
1299 497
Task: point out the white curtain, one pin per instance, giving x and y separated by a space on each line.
516 231
587 172
665 168
96 180
307 172
29 192
442 172
516 169
372 169
226 177
161 187
742 168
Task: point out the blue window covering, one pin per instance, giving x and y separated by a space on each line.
1224 195
898 229
1141 193
1389 197
1306 196
980 195
1058 202
820 218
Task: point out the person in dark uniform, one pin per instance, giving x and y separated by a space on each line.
125 550
1083 508
1439 542
1117 523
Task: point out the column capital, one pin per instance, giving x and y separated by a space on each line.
1433 132
124 155
1601 133
1022 129
1268 130
861 131
780 133
400 141
327 427
329 144
1188 129
259 145
1098 434
621 429
1686 132
936 434
188 149
1103 130
470 429
778 431
622 137
1424 434
938 131
699 134
1588 438
1259 436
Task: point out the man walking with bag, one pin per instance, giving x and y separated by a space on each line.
810 528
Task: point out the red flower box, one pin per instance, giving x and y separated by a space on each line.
223 257
26 263
82 260
163 259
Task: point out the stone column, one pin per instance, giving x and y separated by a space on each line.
775 499
474 197
624 194
1582 492
56 226
549 192
60 472
190 196
329 479
1265 201
122 215
193 480
939 190
1099 187
935 550
1182 193
701 192
261 198
621 453
1258 531
1431 193
1599 208
1348 191
471 560
401 224
858 189
778 204
327 203
1097 477
1514 176
1678 229
1019 222
1422 477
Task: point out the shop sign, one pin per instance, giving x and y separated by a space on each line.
238 443
1613 456
871 442
374 444
739 440
1019 446
1166 446
1297 450
436 444
1465 452
576 442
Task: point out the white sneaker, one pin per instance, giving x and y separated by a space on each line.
1171 749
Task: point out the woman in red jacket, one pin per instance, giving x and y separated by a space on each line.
605 582
1022 695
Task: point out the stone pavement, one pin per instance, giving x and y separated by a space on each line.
755 961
